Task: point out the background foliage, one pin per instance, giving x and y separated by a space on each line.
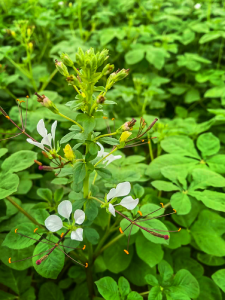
175 53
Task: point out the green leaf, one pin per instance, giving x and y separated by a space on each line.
155 293
8 184
109 141
181 145
208 289
203 178
91 235
215 92
49 290
104 173
7 296
116 259
212 35
3 151
154 169
187 282
208 144
16 241
164 186
91 210
52 266
79 172
108 288
149 252
134 296
156 56
219 278
158 225
181 203
138 190
210 260
124 286
17 255
19 161
217 163
58 194
165 270
93 148
192 95
151 280
211 199
45 194
134 56
87 122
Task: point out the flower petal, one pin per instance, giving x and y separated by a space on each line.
122 189
79 216
54 125
41 128
111 158
47 140
112 209
101 152
77 234
53 223
40 145
129 202
65 208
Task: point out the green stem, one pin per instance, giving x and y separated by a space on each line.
150 148
24 212
110 243
10 93
86 186
93 182
105 157
75 69
65 117
49 79
103 135
80 19
89 273
144 293
220 53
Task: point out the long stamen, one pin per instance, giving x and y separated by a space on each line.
11 262
158 217
86 265
33 238
164 230
128 242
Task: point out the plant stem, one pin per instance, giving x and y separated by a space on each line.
144 293
86 185
49 79
105 157
110 243
65 117
23 212
103 135
220 53
150 148
93 182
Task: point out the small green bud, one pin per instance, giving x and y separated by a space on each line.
102 57
61 68
122 74
66 60
46 102
107 69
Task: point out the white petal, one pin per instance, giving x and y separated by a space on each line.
79 216
53 223
129 202
65 208
112 209
41 128
111 158
101 152
121 190
54 125
36 143
47 140
77 235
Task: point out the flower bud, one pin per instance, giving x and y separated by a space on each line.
107 69
122 74
66 59
13 33
70 4
72 80
45 101
124 136
61 68
30 46
69 153
101 99
28 32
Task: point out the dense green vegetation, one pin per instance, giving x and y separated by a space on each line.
132 172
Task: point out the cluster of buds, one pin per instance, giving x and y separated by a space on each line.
91 60
45 101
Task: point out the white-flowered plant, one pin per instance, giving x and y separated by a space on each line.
121 190
48 139
54 223
109 158
197 6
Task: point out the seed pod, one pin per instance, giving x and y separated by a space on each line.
61 68
66 60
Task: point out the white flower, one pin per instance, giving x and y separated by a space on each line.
122 189
60 3
46 137
109 158
197 6
53 223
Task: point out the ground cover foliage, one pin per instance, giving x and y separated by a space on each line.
171 59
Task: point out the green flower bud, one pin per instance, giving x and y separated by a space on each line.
61 68
107 69
66 60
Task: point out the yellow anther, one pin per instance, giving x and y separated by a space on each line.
162 204
105 118
148 142
35 229
142 141
86 265
16 230
121 231
27 97
174 210
84 247
7 117
18 100
22 101
126 251
179 229
10 260
140 213
62 234
57 244
113 119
